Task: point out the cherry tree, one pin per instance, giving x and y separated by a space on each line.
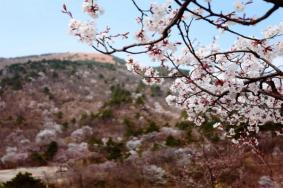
240 85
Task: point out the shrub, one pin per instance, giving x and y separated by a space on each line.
74 120
172 142
47 92
100 76
114 150
130 129
37 66
31 75
73 70
137 115
93 144
156 146
84 116
208 131
57 64
184 115
140 100
119 95
51 150
55 75
229 176
65 125
104 65
14 82
48 154
94 140
184 125
16 68
59 115
152 127
207 127
106 114
38 158
20 120
24 180
187 126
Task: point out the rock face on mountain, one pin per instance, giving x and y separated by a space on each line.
87 113
59 56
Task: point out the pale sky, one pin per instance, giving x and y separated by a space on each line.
30 27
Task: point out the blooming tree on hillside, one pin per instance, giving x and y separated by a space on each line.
240 85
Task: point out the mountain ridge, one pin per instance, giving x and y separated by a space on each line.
64 56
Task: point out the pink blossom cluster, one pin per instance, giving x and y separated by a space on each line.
84 31
151 75
92 8
239 85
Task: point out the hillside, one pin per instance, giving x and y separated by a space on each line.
89 114
58 56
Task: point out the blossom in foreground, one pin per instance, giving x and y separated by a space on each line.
239 6
84 31
240 85
92 8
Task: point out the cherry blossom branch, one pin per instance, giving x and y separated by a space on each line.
242 21
164 34
241 85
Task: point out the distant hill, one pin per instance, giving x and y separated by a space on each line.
59 56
